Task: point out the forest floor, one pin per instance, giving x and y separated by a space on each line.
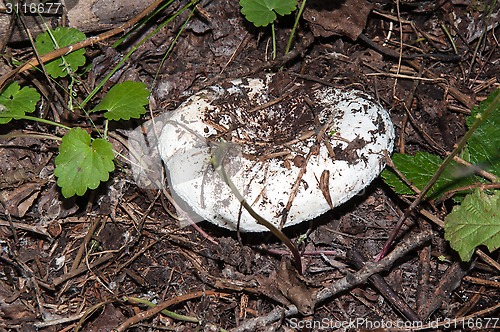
94 262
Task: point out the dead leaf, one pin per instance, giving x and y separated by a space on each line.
18 200
340 18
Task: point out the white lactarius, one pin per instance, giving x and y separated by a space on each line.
296 149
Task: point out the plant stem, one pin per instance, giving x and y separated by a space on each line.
460 146
122 61
32 118
171 314
219 168
295 24
273 32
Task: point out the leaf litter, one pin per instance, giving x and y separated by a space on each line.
156 260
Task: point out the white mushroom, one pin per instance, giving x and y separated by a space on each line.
293 144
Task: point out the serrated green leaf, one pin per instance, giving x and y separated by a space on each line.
82 163
63 36
420 168
484 145
263 12
473 223
124 101
17 101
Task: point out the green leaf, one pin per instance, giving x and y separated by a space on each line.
473 223
82 163
484 145
263 12
63 36
17 101
124 101
420 168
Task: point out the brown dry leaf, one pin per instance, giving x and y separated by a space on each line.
18 200
345 18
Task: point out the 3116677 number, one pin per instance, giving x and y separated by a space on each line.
33 8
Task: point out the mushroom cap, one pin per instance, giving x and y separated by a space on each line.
282 132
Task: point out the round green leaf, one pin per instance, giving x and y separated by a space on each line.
17 101
124 101
263 12
63 36
82 163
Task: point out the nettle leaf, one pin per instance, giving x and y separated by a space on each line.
17 101
263 12
420 168
82 163
63 36
473 223
484 145
124 101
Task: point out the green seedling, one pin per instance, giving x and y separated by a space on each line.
17 102
264 12
83 162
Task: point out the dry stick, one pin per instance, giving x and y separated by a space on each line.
30 228
387 292
373 267
348 282
487 259
480 281
162 306
461 321
393 54
424 274
449 281
473 301
479 119
59 280
89 41
461 97
83 246
478 170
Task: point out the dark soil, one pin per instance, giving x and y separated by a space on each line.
90 263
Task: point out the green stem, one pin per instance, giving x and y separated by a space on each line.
219 168
176 38
31 135
122 61
32 118
295 24
145 20
171 314
460 146
273 32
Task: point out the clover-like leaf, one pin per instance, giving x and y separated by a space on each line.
263 12
63 36
16 101
124 101
82 163
473 223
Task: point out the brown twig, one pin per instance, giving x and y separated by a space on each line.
348 282
449 281
162 306
59 280
460 146
89 41
387 292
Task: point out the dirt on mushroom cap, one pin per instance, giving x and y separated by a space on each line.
272 126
